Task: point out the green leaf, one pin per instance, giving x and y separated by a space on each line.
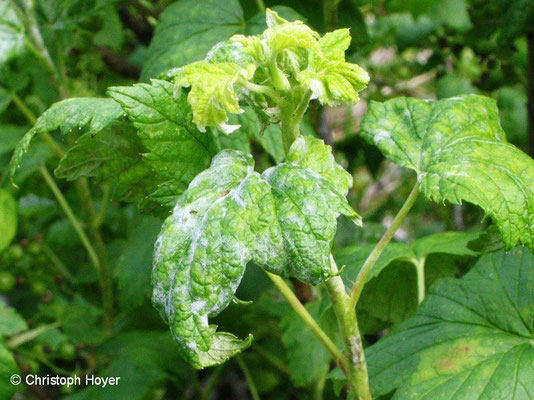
10 321
11 32
459 151
8 218
471 337
517 17
177 150
307 358
454 243
187 30
143 360
212 93
202 251
76 113
134 263
8 367
283 220
315 155
114 156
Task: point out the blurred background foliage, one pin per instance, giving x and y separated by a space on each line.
50 315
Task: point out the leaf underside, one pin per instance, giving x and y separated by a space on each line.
459 151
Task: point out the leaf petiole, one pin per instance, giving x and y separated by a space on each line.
371 260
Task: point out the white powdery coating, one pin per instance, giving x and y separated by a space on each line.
381 135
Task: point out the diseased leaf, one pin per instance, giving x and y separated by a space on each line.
11 32
187 30
10 321
212 93
76 113
283 220
317 156
471 338
176 149
459 151
203 248
8 218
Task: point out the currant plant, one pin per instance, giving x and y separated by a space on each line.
164 145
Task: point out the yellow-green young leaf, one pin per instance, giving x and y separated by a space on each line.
289 35
470 339
334 44
283 220
176 150
11 32
91 113
459 151
331 79
212 94
335 82
8 218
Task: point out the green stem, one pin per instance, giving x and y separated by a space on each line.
330 11
106 283
24 108
212 382
291 117
381 245
420 269
103 206
295 303
29 335
248 377
40 48
270 358
61 268
30 116
261 5
348 326
104 278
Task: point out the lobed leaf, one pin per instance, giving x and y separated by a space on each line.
331 79
459 151
176 150
471 337
94 114
212 93
114 156
283 220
